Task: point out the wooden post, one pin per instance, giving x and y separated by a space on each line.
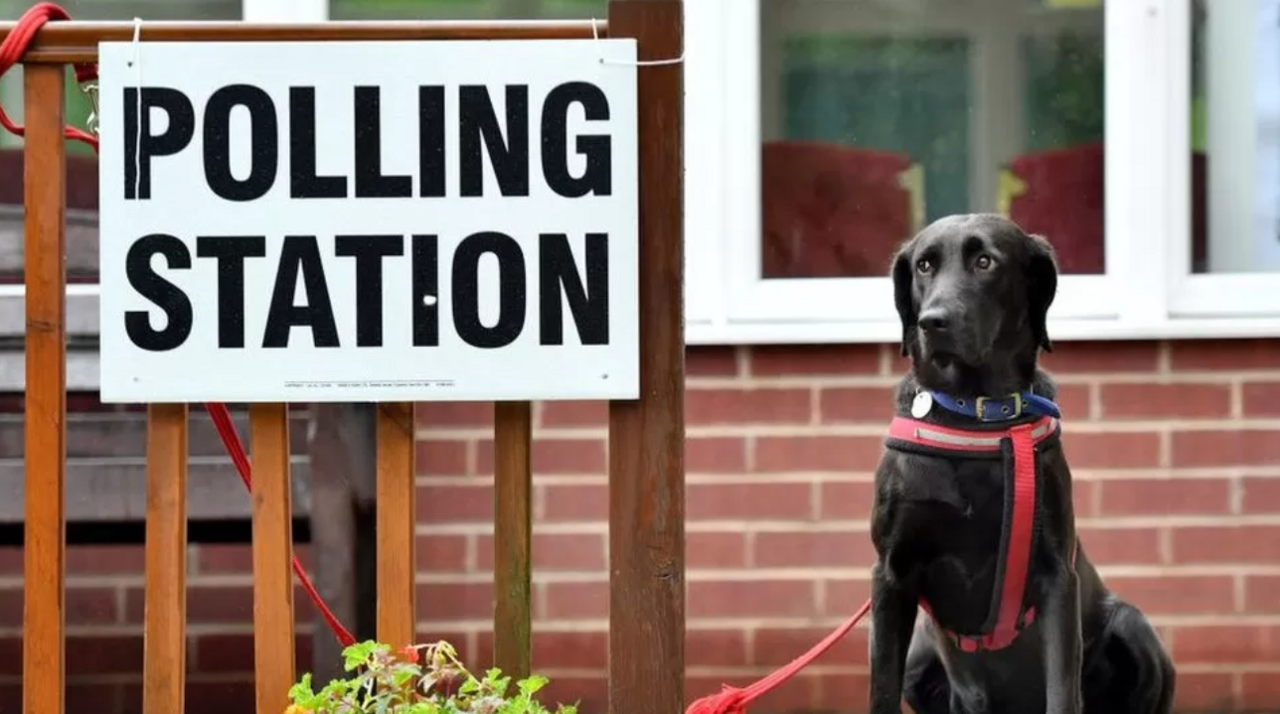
273 643
513 538
646 436
44 552
397 615
164 662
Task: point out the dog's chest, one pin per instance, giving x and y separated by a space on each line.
948 519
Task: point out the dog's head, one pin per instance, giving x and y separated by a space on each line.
973 292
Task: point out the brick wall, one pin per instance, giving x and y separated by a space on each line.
1175 449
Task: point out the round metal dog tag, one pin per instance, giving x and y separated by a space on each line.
921 405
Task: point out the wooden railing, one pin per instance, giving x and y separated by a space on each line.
646 436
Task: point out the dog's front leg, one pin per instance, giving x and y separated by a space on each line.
893 617
1062 643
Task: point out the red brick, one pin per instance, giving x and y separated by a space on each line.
1117 546
1261 494
1083 497
837 691
84 606
842 499
1260 398
843 596
748 406
715 648
1101 356
1226 447
1074 401
223 558
553 551
736 501
553 456
576 650
708 361
105 560
436 415
1226 644
802 549
805 360
793 696
1111 450
715 455
574 413
455 503
1165 401
1262 593
219 697
1177 594
782 454
1259 692
571 502
1205 692
1224 355
11 561
441 457
218 604
440 553
843 405
715 550
1166 496
575 601
106 654
776 646
455 601
750 598
1241 543
225 652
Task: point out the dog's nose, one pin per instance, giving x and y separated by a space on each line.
935 319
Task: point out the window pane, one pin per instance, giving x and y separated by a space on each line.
1235 119
879 116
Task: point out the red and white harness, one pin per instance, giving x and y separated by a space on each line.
907 434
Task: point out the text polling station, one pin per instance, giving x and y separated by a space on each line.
368 221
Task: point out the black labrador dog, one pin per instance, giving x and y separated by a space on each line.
973 517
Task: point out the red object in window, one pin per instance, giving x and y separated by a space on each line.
1061 195
835 211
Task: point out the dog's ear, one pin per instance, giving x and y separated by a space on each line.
902 298
1042 286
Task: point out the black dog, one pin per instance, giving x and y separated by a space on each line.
1018 619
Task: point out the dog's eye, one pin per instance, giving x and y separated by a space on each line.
923 265
984 262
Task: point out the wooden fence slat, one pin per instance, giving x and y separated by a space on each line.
165 635
512 538
646 436
44 553
397 616
273 643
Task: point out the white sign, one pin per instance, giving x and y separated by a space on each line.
368 221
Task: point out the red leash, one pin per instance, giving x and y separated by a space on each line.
11 51
731 700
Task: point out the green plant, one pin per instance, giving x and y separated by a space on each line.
420 679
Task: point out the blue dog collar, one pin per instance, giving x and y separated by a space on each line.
997 408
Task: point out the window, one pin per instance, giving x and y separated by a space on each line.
1233 180
845 125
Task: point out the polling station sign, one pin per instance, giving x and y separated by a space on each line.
368 221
